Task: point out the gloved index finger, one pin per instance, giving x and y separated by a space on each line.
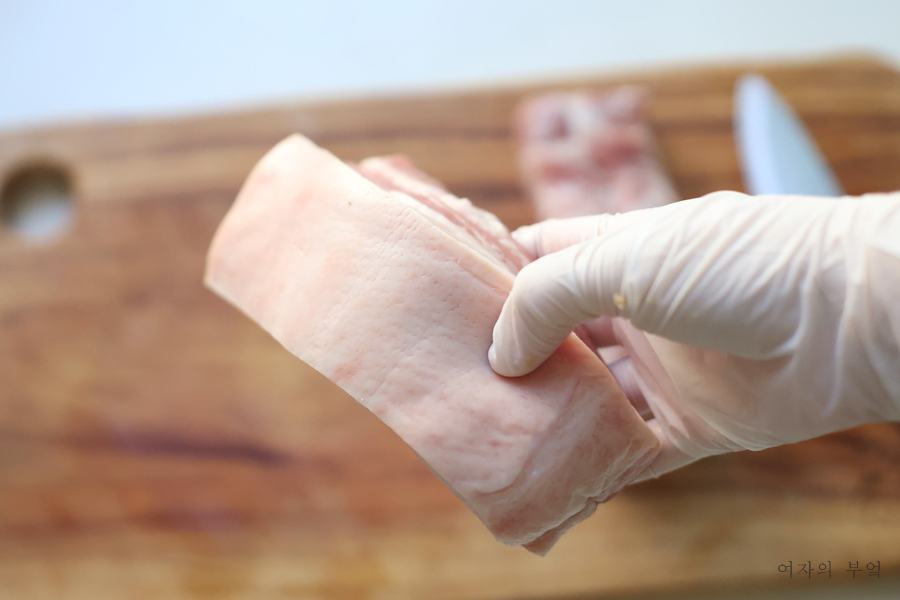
554 235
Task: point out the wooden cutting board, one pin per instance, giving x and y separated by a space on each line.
154 443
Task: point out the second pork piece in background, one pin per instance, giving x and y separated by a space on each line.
584 154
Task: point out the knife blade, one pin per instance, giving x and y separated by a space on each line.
777 153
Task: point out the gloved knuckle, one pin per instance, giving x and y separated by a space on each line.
529 277
528 285
725 196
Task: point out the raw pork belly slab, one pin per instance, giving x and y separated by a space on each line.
390 287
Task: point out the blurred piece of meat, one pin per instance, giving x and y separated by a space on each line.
585 154
390 287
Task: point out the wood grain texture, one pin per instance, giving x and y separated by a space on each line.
156 443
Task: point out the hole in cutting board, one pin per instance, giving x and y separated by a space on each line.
36 202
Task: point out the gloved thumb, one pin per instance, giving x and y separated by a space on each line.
560 291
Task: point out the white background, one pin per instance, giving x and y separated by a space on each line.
63 60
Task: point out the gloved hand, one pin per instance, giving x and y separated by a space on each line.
769 320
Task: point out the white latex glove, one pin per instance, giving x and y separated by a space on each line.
776 319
